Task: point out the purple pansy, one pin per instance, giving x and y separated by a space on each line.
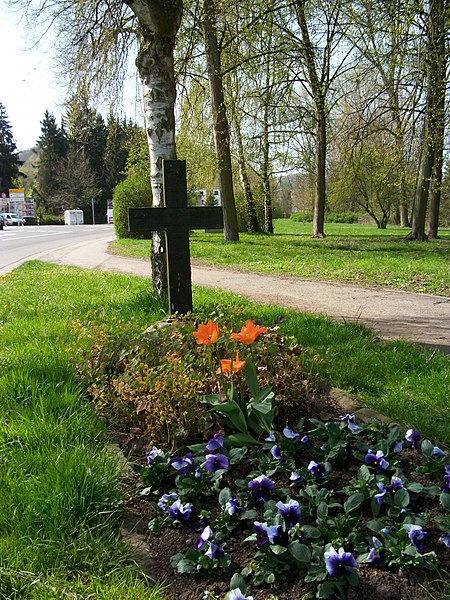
290 511
438 452
416 534
305 440
214 550
165 498
215 443
295 477
261 531
183 464
445 539
261 487
338 563
236 594
374 557
395 485
179 511
276 453
215 462
271 437
350 422
232 506
152 454
446 480
414 438
290 434
277 536
398 446
205 536
376 460
316 469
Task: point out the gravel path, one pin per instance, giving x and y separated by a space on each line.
421 318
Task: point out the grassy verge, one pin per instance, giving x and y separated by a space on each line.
350 253
61 493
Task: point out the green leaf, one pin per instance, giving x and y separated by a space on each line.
300 552
374 525
401 498
249 515
211 399
445 500
322 510
364 473
232 411
237 581
241 439
263 408
236 454
278 549
224 496
417 488
325 590
270 578
251 378
310 532
427 448
353 502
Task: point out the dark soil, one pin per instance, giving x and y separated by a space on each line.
153 550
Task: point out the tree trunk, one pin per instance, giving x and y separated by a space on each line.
250 209
435 195
159 23
265 170
321 153
220 122
318 93
435 106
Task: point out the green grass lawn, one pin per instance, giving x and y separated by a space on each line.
62 491
350 253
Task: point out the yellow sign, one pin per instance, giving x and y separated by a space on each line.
17 191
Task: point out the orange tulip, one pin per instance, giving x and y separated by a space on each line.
249 333
207 334
231 366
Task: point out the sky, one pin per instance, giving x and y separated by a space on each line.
28 87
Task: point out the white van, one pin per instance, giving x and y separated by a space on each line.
12 219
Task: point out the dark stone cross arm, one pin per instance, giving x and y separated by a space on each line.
176 219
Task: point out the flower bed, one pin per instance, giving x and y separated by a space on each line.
308 507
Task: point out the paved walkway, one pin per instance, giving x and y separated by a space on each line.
393 314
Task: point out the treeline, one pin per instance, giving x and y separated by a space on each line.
349 95
82 160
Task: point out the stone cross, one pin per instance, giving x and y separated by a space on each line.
176 218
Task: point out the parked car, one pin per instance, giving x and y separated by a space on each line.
2 222
12 219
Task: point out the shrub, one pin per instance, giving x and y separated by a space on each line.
134 192
51 220
330 217
155 381
302 217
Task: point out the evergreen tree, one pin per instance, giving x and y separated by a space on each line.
9 157
53 148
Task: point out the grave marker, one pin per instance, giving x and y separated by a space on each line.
176 219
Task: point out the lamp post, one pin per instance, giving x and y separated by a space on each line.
93 212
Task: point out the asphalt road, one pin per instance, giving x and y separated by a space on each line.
20 244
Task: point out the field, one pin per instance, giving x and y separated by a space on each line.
350 253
